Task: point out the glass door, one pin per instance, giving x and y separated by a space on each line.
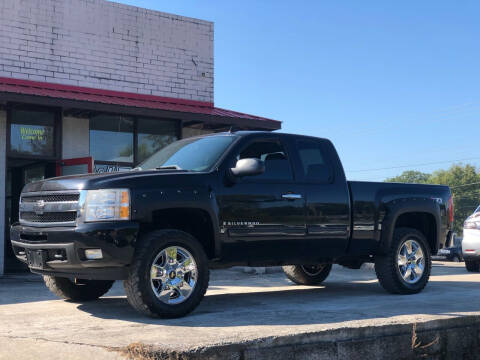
20 172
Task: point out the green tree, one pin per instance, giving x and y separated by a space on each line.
126 151
411 177
464 181
466 197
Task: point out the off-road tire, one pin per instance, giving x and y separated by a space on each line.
472 265
138 287
298 275
386 266
86 290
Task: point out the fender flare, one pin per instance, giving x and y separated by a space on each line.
210 213
400 207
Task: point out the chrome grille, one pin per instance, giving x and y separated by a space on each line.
49 208
52 198
49 217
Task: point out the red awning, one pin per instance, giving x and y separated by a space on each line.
76 93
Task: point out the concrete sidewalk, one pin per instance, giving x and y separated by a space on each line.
243 315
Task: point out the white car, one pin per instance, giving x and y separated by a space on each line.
471 241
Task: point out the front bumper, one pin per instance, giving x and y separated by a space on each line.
471 244
63 249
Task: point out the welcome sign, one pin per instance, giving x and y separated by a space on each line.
31 140
32 134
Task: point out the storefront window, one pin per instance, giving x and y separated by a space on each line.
111 138
32 133
154 135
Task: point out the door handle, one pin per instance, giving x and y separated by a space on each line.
292 196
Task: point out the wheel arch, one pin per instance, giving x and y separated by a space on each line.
421 215
195 221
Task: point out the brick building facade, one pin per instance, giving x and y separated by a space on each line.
95 85
107 45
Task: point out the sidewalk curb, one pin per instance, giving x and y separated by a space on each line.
451 338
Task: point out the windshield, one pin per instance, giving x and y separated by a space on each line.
195 154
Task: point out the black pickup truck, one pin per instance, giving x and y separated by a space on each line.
239 198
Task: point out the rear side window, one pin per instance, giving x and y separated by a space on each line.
313 161
273 154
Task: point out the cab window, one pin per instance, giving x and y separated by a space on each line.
275 157
313 161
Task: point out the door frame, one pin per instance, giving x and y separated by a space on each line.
75 161
252 243
10 261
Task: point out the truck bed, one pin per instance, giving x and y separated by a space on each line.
371 200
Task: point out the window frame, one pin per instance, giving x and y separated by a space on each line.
57 131
106 162
178 134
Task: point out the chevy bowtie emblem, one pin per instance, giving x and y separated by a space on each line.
39 207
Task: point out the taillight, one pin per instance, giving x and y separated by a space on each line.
450 209
470 225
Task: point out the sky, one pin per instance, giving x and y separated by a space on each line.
394 85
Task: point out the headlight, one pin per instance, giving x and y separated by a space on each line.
107 205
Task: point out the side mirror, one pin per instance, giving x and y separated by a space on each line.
248 167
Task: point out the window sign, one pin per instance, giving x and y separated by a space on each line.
104 168
32 133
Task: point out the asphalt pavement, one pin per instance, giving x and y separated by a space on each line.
238 307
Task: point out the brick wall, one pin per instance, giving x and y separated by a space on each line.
101 44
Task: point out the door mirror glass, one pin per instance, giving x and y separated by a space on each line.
248 167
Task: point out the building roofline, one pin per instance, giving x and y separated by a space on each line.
158 12
204 110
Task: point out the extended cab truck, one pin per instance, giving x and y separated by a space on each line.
253 198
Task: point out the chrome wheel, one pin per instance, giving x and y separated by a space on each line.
313 270
173 275
411 261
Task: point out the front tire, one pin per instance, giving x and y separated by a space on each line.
406 268
169 274
85 290
472 265
307 274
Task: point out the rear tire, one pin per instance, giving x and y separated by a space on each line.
412 277
88 290
169 274
472 265
307 274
